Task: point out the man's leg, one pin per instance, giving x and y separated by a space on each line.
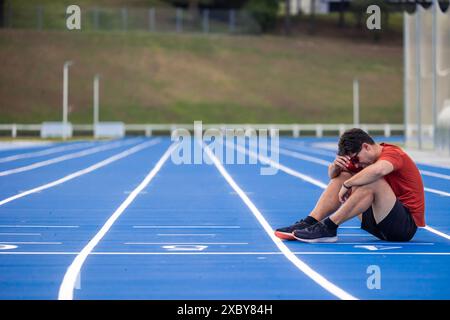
378 194
326 205
329 200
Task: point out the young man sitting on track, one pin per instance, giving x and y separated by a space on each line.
379 183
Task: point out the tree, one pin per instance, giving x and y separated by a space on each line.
264 11
358 8
341 14
312 18
2 13
287 17
193 10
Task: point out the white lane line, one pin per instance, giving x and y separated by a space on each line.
7 247
33 242
439 233
79 173
186 234
317 182
330 146
66 157
19 234
384 253
199 243
321 244
186 227
376 243
34 226
45 152
306 269
308 149
279 166
434 174
438 166
354 235
439 192
304 157
428 228
70 277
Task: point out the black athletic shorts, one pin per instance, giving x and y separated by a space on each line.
398 225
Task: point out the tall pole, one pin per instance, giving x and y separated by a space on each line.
66 94
434 64
96 99
418 78
355 103
406 72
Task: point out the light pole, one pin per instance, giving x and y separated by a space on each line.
67 64
355 103
96 98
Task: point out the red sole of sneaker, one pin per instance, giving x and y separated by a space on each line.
284 236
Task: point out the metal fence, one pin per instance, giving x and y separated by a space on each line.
179 20
295 130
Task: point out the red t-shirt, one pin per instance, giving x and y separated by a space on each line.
405 181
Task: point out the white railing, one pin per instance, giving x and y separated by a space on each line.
296 130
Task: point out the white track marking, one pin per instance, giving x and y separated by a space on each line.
330 146
20 234
186 227
307 270
45 152
376 243
319 243
439 192
70 277
434 174
428 228
304 157
354 235
439 166
308 149
7 247
281 167
186 234
34 226
200 243
79 173
439 233
226 253
24 242
66 157
312 180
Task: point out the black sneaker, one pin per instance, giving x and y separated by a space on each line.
286 232
316 233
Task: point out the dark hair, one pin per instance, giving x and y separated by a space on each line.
351 141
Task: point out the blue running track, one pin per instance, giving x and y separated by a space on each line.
123 221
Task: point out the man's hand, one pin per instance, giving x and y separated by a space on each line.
342 162
344 193
338 165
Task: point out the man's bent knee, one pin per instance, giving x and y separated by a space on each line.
376 186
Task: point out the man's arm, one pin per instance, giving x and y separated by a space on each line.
333 171
338 166
370 174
